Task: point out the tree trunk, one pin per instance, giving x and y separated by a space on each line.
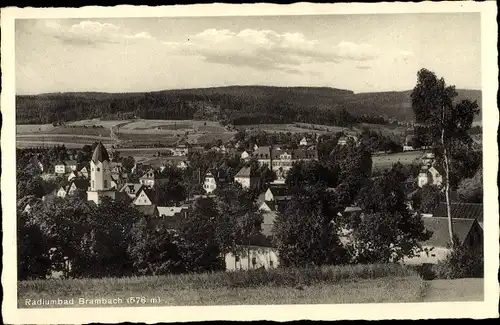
447 183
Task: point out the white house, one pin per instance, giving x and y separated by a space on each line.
245 155
145 196
210 183
151 178
72 175
84 172
131 189
66 166
306 141
246 178
430 175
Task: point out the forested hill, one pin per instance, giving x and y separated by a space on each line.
233 104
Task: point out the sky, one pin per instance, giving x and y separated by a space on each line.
362 53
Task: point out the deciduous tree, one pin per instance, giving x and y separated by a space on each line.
447 123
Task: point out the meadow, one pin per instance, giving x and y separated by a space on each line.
382 162
292 128
333 284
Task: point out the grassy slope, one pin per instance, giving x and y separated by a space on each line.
389 289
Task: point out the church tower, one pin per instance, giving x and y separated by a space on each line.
100 176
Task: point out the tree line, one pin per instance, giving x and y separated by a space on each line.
227 108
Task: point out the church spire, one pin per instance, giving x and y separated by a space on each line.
100 153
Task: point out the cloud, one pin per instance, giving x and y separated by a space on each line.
268 50
91 33
363 67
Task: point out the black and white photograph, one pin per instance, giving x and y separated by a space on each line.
255 160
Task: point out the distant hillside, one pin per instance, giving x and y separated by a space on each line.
233 104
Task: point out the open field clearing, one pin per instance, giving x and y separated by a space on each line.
30 144
381 162
391 290
293 128
337 284
33 128
386 130
210 138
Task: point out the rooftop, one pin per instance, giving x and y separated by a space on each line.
461 210
439 227
100 153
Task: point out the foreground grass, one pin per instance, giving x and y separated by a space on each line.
351 291
327 285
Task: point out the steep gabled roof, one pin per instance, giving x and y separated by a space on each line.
81 184
149 193
460 210
100 154
244 172
131 186
439 227
149 210
279 191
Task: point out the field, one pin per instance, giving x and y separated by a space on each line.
341 284
292 128
128 133
382 162
325 285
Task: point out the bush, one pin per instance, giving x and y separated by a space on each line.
461 263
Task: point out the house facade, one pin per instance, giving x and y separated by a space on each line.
247 179
210 183
145 196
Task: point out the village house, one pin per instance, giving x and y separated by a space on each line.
66 166
144 196
409 143
210 182
461 210
430 176
343 140
171 216
73 187
72 175
263 155
245 155
131 189
151 178
306 141
282 160
277 193
84 172
436 248
247 179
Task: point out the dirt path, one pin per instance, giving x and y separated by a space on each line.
455 290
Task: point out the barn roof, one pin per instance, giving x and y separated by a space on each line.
439 227
460 210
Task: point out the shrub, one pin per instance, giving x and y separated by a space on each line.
461 263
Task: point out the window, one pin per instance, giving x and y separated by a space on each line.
92 168
254 261
105 183
98 169
92 184
271 263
